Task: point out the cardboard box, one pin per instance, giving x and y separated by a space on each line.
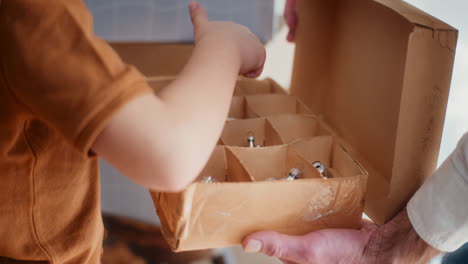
374 75
208 215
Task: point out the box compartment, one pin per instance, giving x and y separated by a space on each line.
293 127
274 104
236 133
272 130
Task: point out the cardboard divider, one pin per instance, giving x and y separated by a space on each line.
339 162
274 104
246 86
236 133
274 162
216 166
223 167
294 127
238 108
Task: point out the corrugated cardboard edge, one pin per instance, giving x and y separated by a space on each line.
414 15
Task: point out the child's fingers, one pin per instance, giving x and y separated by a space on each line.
197 14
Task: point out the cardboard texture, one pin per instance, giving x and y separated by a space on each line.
368 97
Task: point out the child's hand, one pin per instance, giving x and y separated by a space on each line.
251 52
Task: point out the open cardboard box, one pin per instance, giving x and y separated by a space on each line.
242 200
376 72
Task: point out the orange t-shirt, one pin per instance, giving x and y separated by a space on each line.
59 85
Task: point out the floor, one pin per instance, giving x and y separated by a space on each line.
134 242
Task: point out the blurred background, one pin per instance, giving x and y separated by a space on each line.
130 218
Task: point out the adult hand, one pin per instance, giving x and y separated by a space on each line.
290 14
394 242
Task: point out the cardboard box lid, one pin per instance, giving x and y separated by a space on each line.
378 72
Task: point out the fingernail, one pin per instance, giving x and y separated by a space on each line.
253 246
194 5
251 75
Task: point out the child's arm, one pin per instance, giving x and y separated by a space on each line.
163 142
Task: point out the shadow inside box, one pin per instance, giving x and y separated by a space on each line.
252 106
240 164
131 241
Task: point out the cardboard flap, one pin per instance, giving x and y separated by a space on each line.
355 62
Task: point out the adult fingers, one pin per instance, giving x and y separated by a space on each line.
197 14
287 248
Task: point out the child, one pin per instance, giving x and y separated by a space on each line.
66 97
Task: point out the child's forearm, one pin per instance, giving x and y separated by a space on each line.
198 102
163 142
199 98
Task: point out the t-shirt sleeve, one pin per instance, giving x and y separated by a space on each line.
438 211
62 73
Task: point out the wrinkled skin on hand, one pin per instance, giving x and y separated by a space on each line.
394 242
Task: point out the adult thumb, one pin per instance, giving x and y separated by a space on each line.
197 14
289 248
